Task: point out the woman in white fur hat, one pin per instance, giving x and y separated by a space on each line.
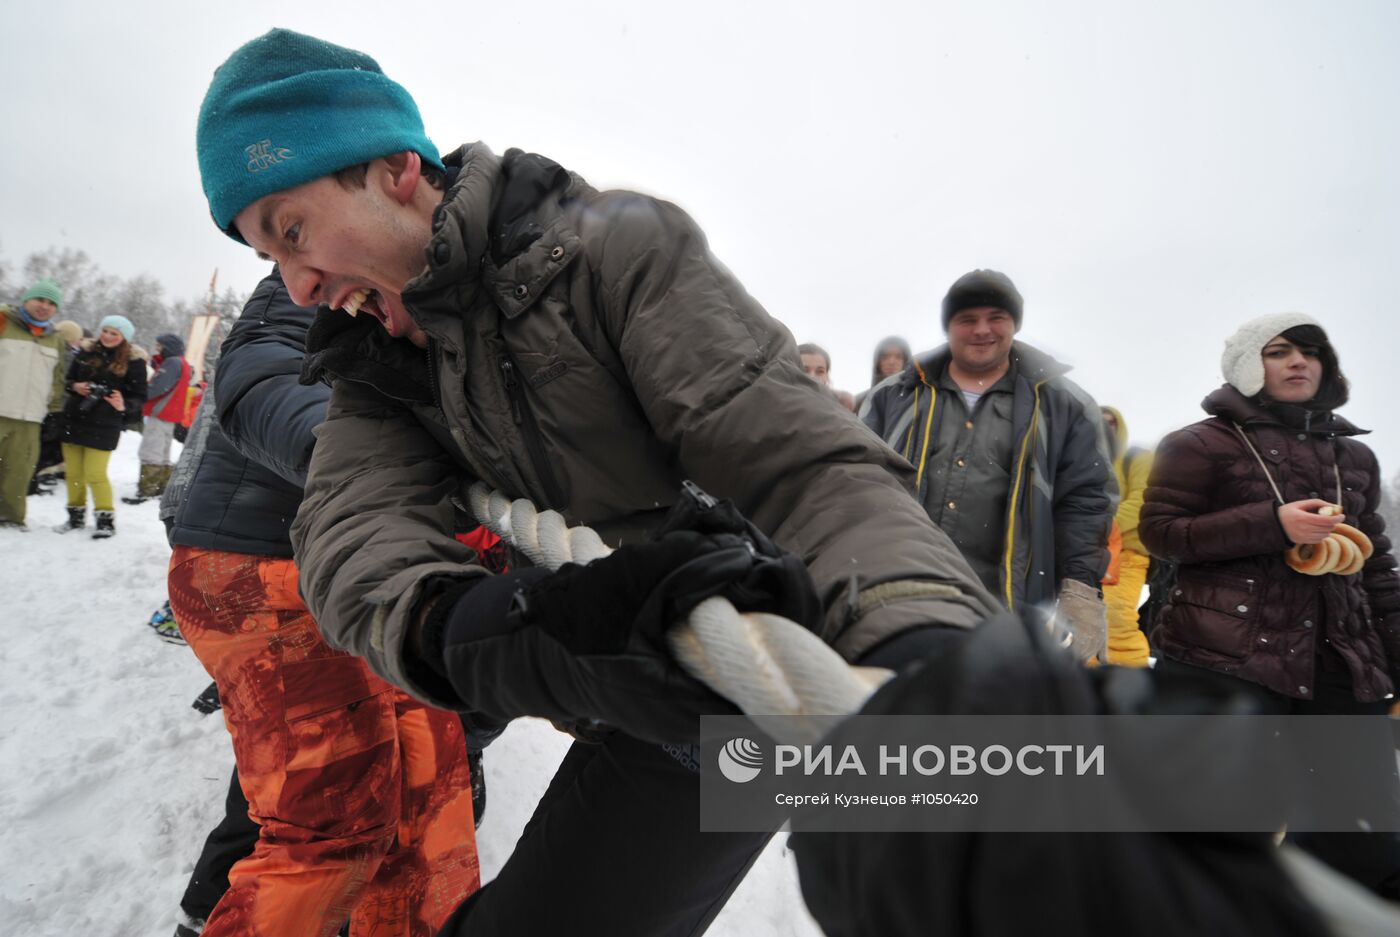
1285 578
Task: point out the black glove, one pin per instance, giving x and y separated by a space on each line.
588 642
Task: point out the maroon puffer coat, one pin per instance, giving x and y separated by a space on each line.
1237 608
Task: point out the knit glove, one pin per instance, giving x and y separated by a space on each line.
1081 610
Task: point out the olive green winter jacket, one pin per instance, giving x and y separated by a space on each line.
31 369
589 353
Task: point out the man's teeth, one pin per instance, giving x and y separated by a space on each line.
356 300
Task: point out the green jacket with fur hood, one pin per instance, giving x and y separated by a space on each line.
589 353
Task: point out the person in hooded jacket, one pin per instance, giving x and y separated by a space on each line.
1127 645
1229 500
106 387
892 355
165 407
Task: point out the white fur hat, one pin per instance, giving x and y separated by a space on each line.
1242 361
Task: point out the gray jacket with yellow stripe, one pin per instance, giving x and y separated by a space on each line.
1062 490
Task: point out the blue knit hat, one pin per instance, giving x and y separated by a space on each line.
43 289
121 323
286 109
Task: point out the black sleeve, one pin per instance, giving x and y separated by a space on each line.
263 409
134 390
1085 495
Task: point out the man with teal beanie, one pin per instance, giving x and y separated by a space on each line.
31 385
496 319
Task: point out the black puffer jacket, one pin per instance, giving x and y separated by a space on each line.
94 423
245 484
1237 607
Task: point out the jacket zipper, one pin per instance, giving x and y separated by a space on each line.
699 495
1010 555
432 376
529 430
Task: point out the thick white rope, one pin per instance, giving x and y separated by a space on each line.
764 664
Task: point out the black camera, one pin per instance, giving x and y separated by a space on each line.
96 392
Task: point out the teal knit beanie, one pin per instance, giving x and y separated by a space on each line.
43 289
286 109
121 323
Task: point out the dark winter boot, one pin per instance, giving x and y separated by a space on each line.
208 701
77 518
106 525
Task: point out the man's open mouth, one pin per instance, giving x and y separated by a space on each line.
356 300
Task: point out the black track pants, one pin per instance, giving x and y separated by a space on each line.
233 839
613 848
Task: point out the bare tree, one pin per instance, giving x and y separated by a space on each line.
227 306
89 294
87 291
140 300
9 292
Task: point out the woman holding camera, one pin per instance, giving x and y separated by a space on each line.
1285 578
106 386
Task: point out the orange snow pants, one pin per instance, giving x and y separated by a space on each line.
363 794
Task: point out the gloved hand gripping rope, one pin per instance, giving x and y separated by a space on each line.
764 663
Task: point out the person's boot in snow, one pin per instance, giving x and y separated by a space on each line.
208 701
163 623
77 519
147 486
106 525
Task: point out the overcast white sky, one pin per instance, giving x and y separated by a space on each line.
1150 175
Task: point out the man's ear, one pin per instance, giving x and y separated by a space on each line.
401 174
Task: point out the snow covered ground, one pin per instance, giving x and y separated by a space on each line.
109 781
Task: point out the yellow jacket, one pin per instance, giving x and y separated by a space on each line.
1132 483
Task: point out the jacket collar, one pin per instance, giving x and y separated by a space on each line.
1228 403
501 227
1032 364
